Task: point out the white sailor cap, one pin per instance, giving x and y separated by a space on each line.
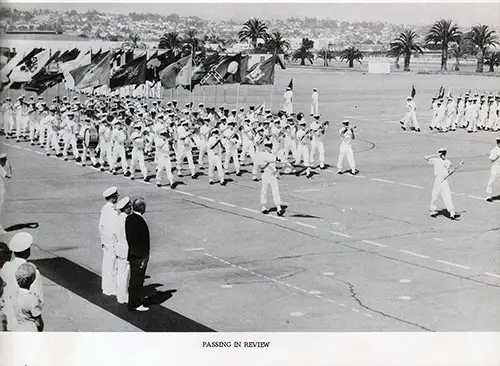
316 116
123 203
20 242
345 122
314 89
409 98
109 192
288 88
3 155
442 150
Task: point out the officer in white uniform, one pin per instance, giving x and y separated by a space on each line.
163 157
107 223
318 131
441 188
138 153
214 157
288 106
346 134
267 164
122 266
314 102
495 170
410 119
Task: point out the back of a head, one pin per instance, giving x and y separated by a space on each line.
139 205
25 275
5 253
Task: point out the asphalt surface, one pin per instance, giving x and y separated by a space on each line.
352 253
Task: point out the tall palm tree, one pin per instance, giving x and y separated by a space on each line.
492 59
133 42
275 43
442 33
351 54
304 53
405 44
171 41
326 55
482 37
253 29
192 40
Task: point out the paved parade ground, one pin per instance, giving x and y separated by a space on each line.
352 253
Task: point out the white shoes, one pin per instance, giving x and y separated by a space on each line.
141 308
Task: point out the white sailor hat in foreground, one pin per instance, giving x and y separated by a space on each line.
109 192
3 155
122 203
314 89
345 122
20 242
442 150
409 98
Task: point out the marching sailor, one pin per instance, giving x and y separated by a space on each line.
347 135
495 170
214 157
138 152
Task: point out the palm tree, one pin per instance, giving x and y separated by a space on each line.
133 42
405 45
253 29
304 52
458 52
275 43
351 54
492 59
326 55
192 40
171 41
442 33
482 37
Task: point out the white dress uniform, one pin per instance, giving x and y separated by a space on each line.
105 146
492 113
410 118
434 121
119 137
248 147
450 115
302 147
42 127
33 121
231 143
21 120
214 158
202 143
482 115
495 169
347 135
184 150
138 154
122 266
290 143
441 187
460 117
288 106
53 126
90 151
440 117
163 162
269 177
69 136
317 143
315 102
157 127
4 173
107 224
471 114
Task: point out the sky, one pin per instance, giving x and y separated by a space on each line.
465 14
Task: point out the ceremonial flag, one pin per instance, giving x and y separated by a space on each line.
261 73
133 72
5 71
168 76
413 91
28 67
183 77
202 67
227 71
157 63
290 84
35 84
97 75
83 60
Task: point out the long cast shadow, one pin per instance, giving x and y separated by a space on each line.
87 284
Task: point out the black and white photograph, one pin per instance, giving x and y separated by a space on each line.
224 170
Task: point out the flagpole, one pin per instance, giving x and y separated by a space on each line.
215 100
237 96
191 81
272 89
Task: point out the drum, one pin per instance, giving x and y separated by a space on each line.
91 137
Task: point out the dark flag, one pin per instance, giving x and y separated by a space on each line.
262 73
168 76
413 91
78 73
202 66
133 72
227 71
157 63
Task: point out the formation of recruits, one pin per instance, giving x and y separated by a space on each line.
110 130
472 112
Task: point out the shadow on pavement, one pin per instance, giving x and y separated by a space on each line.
87 285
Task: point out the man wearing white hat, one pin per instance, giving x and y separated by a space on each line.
5 173
314 102
288 106
163 162
184 148
107 223
410 118
303 139
20 246
214 157
346 134
69 135
138 153
442 170
105 143
122 266
119 136
318 131
267 164
495 170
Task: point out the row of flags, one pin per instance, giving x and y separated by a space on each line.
41 69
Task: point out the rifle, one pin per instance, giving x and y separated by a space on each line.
453 170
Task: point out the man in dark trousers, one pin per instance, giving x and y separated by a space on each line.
137 232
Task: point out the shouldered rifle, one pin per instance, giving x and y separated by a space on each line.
453 170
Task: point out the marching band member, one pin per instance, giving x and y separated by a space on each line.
215 157
106 143
119 137
460 117
303 139
483 113
163 158
347 135
8 115
53 128
290 142
138 152
184 148
86 126
471 114
314 102
449 115
318 131
231 142
490 120
21 118
203 141
267 164
68 125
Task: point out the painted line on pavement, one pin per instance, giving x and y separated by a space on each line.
185 193
227 204
308 190
279 218
437 239
206 199
453 264
374 243
411 185
476 197
459 194
414 254
383 180
250 210
193 249
492 274
306 225
340 234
